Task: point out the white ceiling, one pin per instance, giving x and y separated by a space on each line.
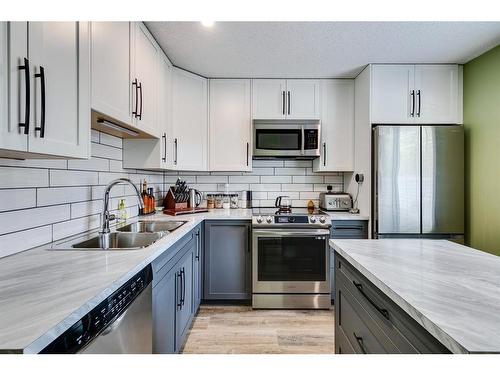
317 49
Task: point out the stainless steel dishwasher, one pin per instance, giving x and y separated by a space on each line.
120 324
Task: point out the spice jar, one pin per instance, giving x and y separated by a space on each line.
234 200
210 201
225 202
218 201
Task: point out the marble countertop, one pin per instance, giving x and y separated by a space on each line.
43 292
453 291
347 216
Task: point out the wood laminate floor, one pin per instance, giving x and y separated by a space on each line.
240 330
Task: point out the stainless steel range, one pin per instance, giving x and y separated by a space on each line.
290 259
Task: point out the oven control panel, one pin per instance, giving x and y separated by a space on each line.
283 220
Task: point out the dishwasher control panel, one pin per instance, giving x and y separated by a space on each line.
100 317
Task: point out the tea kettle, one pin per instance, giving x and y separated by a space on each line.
283 203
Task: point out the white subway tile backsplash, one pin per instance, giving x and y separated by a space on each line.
238 187
23 177
117 166
94 136
13 221
16 199
267 163
92 164
53 196
105 151
244 179
72 178
71 227
275 194
260 171
35 163
259 195
265 187
111 140
86 208
309 195
334 179
106 177
298 163
276 179
307 179
290 171
15 242
297 187
212 179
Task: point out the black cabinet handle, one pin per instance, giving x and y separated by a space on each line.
175 151
324 154
179 304
419 103
197 245
164 136
382 311
248 145
27 93
283 101
139 87
183 273
288 102
360 342
134 84
412 113
41 128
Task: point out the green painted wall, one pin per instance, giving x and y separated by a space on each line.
482 151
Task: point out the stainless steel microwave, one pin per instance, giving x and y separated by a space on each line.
298 139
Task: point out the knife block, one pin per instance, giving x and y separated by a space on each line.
170 203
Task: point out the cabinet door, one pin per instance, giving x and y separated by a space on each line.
302 99
185 311
111 84
165 111
227 261
230 125
13 87
268 99
437 94
392 102
337 127
165 300
190 121
145 68
60 62
198 269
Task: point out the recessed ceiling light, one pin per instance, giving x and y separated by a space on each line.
207 23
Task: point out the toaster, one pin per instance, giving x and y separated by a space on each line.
335 201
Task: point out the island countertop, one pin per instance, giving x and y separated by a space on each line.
451 290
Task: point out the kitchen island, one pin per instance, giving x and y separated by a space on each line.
415 296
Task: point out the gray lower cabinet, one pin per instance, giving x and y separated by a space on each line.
227 260
198 268
346 229
173 297
367 321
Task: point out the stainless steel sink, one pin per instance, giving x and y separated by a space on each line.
120 241
152 226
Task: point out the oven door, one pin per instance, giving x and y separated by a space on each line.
291 261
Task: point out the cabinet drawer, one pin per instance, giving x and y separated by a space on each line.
355 329
342 343
356 229
404 332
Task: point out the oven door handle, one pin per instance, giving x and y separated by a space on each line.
291 232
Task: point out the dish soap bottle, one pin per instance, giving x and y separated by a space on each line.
122 211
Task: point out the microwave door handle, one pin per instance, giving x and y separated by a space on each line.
303 140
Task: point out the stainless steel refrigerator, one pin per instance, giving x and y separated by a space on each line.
418 181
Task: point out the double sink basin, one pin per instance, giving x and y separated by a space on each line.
133 236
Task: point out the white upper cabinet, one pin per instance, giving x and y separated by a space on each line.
416 94
285 99
438 94
269 99
337 126
49 69
190 121
391 94
111 84
155 153
302 99
230 125
145 73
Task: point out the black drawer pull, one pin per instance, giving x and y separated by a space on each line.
382 311
361 344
